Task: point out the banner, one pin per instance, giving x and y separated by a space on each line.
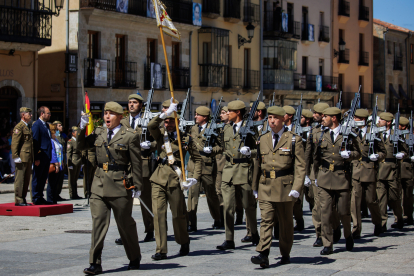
122 6
101 72
285 18
197 14
164 20
318 83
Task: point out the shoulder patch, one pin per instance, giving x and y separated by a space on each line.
68 146
16 131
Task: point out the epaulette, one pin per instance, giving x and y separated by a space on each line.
226 125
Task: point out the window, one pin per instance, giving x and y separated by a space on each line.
341 82
341 35
389 46
321 62
412 53
175 55
120 58
151 51
93 44
361 83
304 65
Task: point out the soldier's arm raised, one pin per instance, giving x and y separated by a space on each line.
84 143
153 127
136 161
300 165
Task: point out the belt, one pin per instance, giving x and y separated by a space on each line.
407 160
391 160
164 161
332 167
366 159
112 167
238 161
202 153
276 174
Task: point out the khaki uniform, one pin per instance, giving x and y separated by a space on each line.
166 188
22 146
89 168
221 162
364 174
207 179
108 191
280 171
407 183
74 166
59 185
333 179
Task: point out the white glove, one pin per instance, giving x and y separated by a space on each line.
255 194
399 155
345 154
190 182
17 160
207 149
136 193
145 145
412 158
316 183
245 151
374 157
70 168
308 182
294 193
172 108
84 120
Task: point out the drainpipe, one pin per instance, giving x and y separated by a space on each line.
407 44
385 70
67 73
190 101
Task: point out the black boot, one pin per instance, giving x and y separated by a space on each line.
318 242
255 239
93 269
226 245
327 251
300 225
134 265
118 241
185 249
261 260
216 224
149 237
349 243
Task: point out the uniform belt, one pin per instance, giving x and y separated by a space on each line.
112 167
407 160
390 160
332 167
202 153
366 159
275 174
208 164
164 161
238 161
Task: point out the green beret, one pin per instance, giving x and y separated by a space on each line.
320 107
135 96
57 123
25 109
330 111
260 106
172 116
289 110
307 113
203 111
236 105
404 121
386 116
167 103
362 113
225 108
276 110
114 107
75 128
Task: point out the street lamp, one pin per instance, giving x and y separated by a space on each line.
250 34
59 5
341 47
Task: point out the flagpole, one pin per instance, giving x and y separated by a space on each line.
172 95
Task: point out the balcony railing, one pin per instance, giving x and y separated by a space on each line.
124 74
363 58
344 56
148 80
277 79
232 78
365 100
273 26
211 6
251 79
343 8
323 33
295 26
97 75
232 9
211 75
398 63
251 12
363 13
309 83
180 77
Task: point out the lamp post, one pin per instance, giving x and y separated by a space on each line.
59 5
250 34
341 48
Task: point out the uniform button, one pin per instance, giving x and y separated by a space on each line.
333 153
233 154
274 153
234 147
333 161
333 146
273 160
234 139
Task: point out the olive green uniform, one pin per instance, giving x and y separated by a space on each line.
89 168
221 162
22 146
407 183
74 166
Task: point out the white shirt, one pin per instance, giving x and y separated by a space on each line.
25 123
388 132
280 133
238 125
336 131
203 127
363 131
73 137
289 127
137 120
115 130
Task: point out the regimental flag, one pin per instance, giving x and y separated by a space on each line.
90 127
164 20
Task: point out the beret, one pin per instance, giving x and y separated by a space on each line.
25 109
320 107
225 108
57 123
386 116
167 103
276 110
172 116
307 113
236 105
203 111
332 111
289 110
75 128
135 96
363 113
260 106
404 121
114 107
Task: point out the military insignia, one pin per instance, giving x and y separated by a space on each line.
68 146
16 131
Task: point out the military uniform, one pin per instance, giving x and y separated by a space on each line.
89 168
22 147
407 181
74 165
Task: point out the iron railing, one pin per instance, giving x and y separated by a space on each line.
251 12
147 77
363 13
251 79
398 63
232 78
363 58
343 8
95 78
124 74
329 83
324 33
295 26
232 9
180 77
277 77
211 75
211 6
344 56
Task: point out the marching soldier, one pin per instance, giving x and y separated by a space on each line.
290 113
74 164
333 177
276 184
62 141
167 179
22 153
89 168
117 149
364 172
306 120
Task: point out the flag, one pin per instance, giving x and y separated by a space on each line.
164 20
90 127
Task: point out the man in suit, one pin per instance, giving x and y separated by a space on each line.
117 148
59 131
22 153
276 184
74 164
42 147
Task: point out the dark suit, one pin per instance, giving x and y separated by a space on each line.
42 147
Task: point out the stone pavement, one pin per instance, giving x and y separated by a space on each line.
40 246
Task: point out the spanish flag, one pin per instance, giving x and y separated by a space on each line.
164 20
89 128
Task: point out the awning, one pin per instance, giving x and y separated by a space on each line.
394 92
402 92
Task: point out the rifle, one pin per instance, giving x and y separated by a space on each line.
248 125
372 135
272 103
339 104
147 113
211 130
410 140
183 124
299 130
350 123
395 138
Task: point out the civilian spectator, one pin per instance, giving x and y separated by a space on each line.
62 141
57 161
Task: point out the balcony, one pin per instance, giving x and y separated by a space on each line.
344 56
277 79
363 61
211 75
180 78
211 8
251 79
398 63
232 78
343 11
308 82
323 35
308 33
97 75
363 16
274 28
148 80
232 10
251 13
365 100
124 74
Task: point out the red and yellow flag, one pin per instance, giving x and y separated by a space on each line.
164 20
89 128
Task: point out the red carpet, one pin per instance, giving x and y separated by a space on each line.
8 209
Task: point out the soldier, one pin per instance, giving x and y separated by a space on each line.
276 184
306 120
290 113
167 179
364 172
333 177
22 153
117 147
89 168
74 164
237 174
388 183
59 131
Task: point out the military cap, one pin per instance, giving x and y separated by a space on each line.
203 111
363 113
386 116
330 111
114 107
404 121
260 106
25 109
172 116
57 123
75 128
289 110
320 107
276 110
225 108
236 105
167 103
307 113
135 96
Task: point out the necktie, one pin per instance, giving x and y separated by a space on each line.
234 129
332 136
110 135
133 123
276 138
385 136
200 128
360 134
